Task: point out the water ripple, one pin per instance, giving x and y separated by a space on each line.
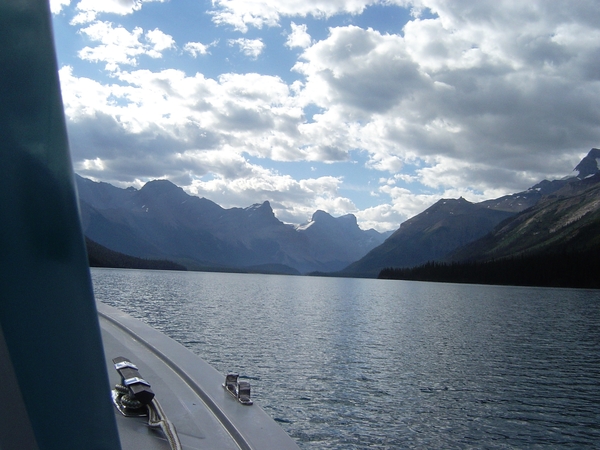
353 364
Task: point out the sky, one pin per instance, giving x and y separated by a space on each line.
378 108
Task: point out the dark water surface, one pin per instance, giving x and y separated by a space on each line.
354 364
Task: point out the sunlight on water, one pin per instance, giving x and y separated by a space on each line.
354 363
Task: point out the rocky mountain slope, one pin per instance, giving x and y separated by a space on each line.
160 220
567 221
430 235
440 232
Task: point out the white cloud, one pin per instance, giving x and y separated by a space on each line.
241 14
292 200
245 113
472 87
299 36
482 98
361 70
249 47
159 40
194 131
94 165
90 9
381 218
56 6
120 46
196 48
406 203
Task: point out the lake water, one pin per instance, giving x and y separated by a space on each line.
354 363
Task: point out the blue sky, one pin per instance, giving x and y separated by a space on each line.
375 108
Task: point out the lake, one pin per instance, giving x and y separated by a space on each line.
347 363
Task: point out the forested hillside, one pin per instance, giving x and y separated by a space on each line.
100 256
554 243
577 270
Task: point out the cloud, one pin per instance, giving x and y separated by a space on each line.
195 131
160 41
299 36
292 200
360 69
468 85
120 46
470 98
382 217
196 48
169 112
249 47
56 6
90 9
241 14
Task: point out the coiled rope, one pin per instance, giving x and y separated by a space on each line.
156 415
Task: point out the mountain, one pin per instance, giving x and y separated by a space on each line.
554 243
161 221
430 235
520 201
568 221
441 231
103 195
588 166
335 241
565 220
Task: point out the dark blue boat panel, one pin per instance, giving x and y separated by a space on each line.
47 312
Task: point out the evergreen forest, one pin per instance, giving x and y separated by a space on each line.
100 256
575 270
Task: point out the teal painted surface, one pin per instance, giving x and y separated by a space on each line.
47 311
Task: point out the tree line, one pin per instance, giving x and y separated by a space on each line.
577 270
100 256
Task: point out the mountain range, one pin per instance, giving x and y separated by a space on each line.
161 221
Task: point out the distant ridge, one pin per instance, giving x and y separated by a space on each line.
337 241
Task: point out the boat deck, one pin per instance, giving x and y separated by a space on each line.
189 390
